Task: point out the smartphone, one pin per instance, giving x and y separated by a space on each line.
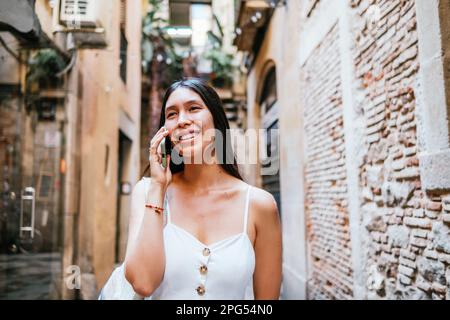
166 149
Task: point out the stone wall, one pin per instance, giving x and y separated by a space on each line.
406 235
325 174
402 227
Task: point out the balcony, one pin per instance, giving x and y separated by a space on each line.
252 18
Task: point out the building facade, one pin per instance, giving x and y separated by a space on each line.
73 145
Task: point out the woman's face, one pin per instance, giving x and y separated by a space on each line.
188 119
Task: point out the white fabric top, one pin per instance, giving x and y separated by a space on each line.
196 271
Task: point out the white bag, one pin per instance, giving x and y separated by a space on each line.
118 288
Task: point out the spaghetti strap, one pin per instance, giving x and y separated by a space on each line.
246 209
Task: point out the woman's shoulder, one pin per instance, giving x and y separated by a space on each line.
262 199
258 197
263 204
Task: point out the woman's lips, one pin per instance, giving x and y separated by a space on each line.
187 137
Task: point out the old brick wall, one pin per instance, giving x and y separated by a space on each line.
404 230
326 189
407 239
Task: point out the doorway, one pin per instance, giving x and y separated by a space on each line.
270 158
123 194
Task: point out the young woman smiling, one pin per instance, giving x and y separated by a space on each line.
197 230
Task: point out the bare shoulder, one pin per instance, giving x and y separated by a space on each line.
263 204
263 200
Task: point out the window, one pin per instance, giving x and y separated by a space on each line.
269 93
123 41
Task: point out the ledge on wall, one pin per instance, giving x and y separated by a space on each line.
435 170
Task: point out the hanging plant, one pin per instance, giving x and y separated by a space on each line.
43 68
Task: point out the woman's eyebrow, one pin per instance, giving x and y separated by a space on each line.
192 101
186 103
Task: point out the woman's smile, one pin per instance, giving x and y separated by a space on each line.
187 136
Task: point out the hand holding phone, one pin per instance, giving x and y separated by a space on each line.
166 149
159 157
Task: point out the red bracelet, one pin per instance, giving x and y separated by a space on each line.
158 210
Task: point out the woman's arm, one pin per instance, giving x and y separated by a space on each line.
145 258
268 247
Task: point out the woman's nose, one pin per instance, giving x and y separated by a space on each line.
183 119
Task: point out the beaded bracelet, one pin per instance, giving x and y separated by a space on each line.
158 210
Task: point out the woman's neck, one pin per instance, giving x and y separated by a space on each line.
200 177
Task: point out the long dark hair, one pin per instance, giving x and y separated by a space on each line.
214 104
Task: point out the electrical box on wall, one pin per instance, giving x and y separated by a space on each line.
79 13
85 19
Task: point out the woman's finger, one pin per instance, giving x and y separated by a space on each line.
157 137
167 168
159 132
155 157
157 141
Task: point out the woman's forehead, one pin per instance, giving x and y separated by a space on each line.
183 95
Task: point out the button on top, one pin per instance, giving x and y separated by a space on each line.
200 290
206 252
203 269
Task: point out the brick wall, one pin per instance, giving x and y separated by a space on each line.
406 237
404 231
325 175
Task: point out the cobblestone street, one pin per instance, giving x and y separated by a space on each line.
29 277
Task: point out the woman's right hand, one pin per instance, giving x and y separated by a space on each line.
159 175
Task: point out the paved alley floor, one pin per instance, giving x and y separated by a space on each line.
29 276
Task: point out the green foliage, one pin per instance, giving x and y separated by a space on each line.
155 41
221 61
43 67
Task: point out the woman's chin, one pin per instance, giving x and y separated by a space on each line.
188 152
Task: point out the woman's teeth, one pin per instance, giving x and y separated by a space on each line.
187 136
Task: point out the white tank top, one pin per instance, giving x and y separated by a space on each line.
222 270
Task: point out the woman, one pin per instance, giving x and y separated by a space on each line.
220 236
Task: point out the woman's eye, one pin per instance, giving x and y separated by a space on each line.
195 107
170 114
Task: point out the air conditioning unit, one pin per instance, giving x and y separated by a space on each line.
79 14
83 20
